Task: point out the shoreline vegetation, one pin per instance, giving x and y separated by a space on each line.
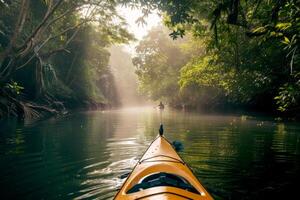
54 56
209 55
226 55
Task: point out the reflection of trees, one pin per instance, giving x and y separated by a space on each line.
52 153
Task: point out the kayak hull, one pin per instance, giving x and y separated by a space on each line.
162 174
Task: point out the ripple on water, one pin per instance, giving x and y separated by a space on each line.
98 179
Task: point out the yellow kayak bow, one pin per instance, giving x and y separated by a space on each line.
160 175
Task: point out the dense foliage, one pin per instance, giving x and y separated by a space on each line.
53 54
250 55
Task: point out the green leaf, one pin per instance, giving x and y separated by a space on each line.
259 30
286 40
283 26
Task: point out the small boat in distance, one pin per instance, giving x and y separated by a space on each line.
161 174
161 106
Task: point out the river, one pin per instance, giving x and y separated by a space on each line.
82 155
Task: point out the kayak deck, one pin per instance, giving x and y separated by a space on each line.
162 174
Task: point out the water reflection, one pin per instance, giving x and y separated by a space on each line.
82 156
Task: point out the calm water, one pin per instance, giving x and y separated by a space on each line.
82 156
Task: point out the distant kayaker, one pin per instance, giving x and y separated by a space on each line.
161 106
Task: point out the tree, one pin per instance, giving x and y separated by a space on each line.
42 30
158 62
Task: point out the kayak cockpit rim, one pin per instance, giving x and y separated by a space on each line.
165 179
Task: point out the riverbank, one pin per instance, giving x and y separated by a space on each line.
15 105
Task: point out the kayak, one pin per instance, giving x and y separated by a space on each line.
161 174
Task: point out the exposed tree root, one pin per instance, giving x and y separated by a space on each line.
10 105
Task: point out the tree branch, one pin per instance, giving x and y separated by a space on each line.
51 38
43 22
34 55
48 54
61 16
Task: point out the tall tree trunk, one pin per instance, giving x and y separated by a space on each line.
236 49
17 30
7 57
39 78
